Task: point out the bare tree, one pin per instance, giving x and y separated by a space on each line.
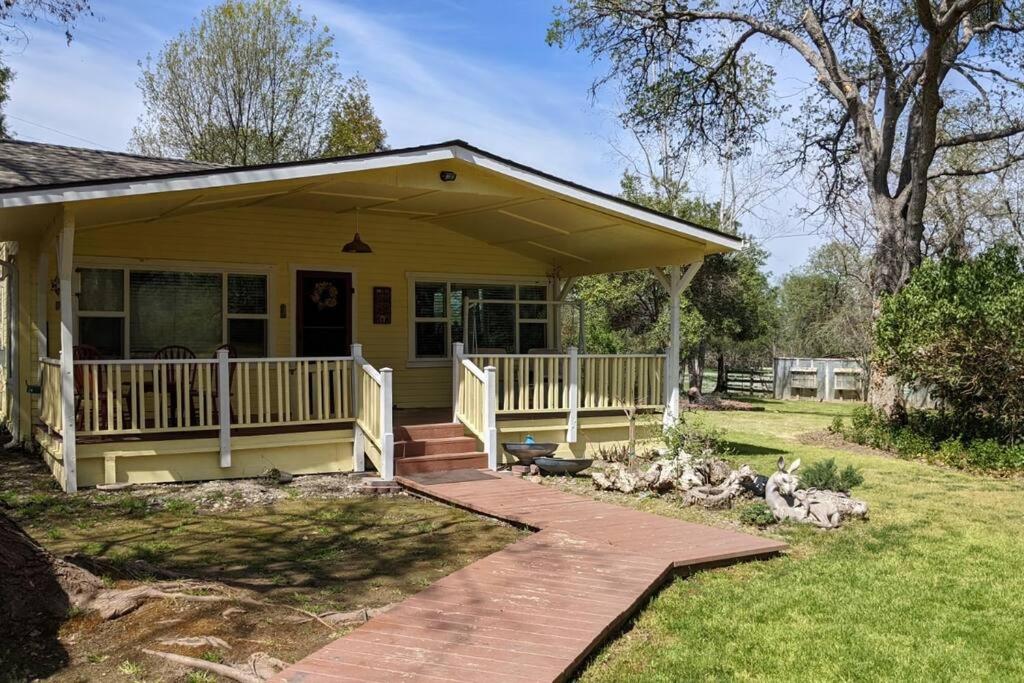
880 73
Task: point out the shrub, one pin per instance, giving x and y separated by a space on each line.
952 452
825 474
909 444
757 514
692 435
836 426
958 328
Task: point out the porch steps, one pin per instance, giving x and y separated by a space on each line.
441 447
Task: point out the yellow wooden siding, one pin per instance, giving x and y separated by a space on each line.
286 240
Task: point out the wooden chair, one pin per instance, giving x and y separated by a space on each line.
232 353
175 352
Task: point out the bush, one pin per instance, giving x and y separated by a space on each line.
836 426
938 437
958 328
825 474
692 435
757 514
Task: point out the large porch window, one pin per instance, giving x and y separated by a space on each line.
484 316
133 313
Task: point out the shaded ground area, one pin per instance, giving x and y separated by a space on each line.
319 554
928 589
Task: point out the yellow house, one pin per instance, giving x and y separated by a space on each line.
408 310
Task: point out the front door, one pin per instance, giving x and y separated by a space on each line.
323 313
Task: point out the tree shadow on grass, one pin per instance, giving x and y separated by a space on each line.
740 448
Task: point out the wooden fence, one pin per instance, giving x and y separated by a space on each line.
751 382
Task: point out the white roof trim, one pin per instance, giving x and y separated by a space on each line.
217 178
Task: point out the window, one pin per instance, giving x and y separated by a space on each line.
136 312
499 316
101 311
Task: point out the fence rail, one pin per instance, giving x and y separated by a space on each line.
472 402
752 382
626 381
274 392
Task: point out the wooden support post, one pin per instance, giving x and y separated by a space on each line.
66 251
491 416
457 353
574 395
224 406
358 444
387 437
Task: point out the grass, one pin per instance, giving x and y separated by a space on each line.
928 589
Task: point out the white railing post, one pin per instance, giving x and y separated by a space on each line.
358 446
456 378
491 416
574 395
224 406
387 437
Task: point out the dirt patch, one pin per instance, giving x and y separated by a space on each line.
828 439
314 544
716 402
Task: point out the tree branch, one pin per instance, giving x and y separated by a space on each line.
1014 128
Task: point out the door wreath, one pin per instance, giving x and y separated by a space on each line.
324 295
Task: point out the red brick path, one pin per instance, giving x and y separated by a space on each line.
535 610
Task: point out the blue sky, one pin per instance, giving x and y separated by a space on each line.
472 69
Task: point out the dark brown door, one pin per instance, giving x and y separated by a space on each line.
323 316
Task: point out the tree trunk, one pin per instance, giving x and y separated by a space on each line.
37 592
721 383
695 367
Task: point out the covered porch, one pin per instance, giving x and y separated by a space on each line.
213 323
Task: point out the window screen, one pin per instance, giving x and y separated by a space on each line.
172 308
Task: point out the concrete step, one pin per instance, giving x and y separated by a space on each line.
440 463
443 430
452 444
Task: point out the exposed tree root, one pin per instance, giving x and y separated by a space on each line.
213 667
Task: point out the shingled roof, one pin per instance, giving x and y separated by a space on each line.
31 164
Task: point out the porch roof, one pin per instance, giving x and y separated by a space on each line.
493 199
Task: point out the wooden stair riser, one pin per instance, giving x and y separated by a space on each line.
460 444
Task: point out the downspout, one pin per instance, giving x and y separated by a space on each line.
9 273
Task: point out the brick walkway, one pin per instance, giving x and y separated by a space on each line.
535 610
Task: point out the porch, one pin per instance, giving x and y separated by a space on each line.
142 420
315 302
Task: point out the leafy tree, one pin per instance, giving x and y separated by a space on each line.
252 82
958 328
355 127
728 301
825 307
879 75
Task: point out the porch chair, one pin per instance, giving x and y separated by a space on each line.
176 352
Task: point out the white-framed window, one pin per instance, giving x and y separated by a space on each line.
499 315
129 312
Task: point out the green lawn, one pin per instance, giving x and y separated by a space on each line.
929 589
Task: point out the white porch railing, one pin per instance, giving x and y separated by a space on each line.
144 396
374 419
568 383
476 403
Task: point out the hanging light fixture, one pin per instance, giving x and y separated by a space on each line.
357 245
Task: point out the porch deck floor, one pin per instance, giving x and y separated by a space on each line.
535 610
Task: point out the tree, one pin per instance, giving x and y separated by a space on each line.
958 329
825 306
249 83
879 74
355 127
64 12
6 76
729 301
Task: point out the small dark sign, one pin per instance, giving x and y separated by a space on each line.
381 305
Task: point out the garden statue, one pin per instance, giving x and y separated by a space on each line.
788 501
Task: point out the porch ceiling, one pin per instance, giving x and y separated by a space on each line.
538 217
